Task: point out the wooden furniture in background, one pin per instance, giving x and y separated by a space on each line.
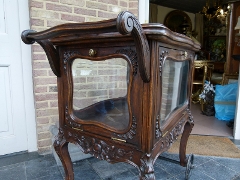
232 66
202 72
230 48
124 90
205 73
229 77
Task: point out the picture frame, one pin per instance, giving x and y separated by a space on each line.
229 78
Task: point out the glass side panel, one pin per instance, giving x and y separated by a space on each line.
100 91
174 87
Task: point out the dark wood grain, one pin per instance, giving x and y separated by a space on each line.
145 49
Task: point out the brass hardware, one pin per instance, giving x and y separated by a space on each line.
116 139
185 54
165 134
77 129
92 52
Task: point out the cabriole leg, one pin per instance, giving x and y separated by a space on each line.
183 143
184 161
185 135
61 148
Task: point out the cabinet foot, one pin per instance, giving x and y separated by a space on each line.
146 168
61 148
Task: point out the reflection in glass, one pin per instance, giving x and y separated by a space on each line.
174 87
100 91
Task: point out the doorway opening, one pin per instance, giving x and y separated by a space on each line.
204 125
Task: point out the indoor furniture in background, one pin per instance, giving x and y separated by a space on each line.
202 72
229 78
205 73
178 21
124 90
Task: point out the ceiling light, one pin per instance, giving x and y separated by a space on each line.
214 8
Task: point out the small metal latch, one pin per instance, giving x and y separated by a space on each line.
184 113
77 129
92 52
116 139
165 134
185 54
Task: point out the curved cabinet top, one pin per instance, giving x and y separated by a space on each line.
159 32
89 32
123 29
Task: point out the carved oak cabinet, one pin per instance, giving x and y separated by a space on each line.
123 89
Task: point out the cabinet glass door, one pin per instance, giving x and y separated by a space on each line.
174 86
100 91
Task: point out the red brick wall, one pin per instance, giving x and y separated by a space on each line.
48 13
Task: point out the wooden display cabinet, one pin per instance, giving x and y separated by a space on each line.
123 89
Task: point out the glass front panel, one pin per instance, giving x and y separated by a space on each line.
100 91
174 87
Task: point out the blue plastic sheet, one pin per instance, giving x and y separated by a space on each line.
225 101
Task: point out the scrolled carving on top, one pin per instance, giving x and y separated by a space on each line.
71 28
24 37
127 23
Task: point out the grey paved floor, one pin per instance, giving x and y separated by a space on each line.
31 166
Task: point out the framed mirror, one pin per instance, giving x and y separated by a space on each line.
178 21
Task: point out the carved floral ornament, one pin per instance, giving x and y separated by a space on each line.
161 59
174 133
146 167
96 147
132 132
71 122
168 140
131 54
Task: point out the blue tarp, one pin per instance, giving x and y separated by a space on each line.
225 101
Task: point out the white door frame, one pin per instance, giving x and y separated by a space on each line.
236 129
27 78
143 11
